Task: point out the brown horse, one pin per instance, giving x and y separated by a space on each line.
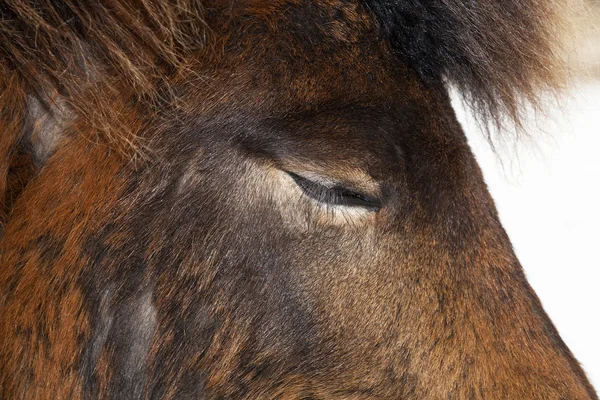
265 199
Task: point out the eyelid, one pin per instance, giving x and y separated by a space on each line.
335 193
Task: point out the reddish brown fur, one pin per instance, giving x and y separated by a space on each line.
58 211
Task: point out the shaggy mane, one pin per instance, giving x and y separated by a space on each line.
50 42
500 54
86 57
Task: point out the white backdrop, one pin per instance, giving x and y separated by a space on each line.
548 196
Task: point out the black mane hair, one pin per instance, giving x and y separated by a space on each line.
498 53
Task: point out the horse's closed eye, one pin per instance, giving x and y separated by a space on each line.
335 195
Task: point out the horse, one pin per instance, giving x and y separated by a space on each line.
266 199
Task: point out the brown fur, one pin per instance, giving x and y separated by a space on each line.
202 270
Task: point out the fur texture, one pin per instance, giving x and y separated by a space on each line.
500 54
87 54
205 271
52 44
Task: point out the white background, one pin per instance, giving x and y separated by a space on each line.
547 192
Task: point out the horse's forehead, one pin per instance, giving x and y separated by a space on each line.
287 55
292 20
266 7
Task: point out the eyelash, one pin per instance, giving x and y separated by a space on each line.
337 195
